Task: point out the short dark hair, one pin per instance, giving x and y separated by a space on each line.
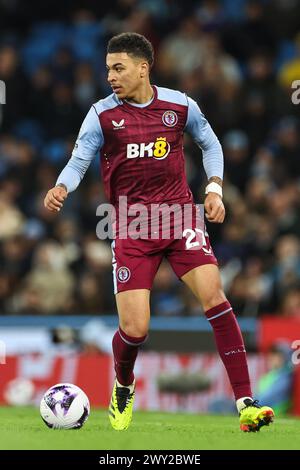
134 44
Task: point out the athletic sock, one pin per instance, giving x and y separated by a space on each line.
231 347
125 350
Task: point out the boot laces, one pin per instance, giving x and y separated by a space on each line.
123 397
254 403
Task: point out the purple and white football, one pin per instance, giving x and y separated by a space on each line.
65 406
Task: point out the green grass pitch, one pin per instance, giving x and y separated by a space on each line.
22 428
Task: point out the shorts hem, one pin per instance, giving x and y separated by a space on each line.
132 288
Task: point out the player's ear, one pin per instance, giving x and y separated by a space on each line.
144 69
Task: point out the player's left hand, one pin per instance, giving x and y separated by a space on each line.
214 208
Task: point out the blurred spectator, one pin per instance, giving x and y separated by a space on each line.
211 14
67 233
287 161
275 387
16 84
11 219
85 88
290 70
95 290
290 304
48 287
252 33
166 298
64 340
39 105
235 145
96 337
185 43
64 112
287 269
250 288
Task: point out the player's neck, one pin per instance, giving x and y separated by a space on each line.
142 95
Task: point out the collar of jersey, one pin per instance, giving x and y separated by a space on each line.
147 105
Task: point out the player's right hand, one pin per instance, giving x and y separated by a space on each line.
55 198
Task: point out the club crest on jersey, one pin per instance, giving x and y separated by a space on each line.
159 149
123 274
118 125
170 118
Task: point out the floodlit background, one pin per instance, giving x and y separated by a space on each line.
239 60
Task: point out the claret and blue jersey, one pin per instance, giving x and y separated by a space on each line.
141 147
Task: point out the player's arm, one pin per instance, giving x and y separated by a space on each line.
199 128
88 143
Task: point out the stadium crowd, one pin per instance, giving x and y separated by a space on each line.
238 59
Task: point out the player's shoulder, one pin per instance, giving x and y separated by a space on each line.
172 96
106 104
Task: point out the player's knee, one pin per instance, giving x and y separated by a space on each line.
135 330
212 299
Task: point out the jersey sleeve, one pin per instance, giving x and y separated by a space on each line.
89 141
201 132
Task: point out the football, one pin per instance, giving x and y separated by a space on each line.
64 406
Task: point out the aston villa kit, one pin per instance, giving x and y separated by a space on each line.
142 160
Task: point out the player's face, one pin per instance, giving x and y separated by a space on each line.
125 74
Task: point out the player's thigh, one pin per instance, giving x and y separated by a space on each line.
134 311
205 282
193 260
134 264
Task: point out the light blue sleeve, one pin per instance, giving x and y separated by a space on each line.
89 141
200 130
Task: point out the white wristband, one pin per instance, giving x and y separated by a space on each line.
214 188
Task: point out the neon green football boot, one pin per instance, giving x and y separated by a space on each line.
121 406
253 416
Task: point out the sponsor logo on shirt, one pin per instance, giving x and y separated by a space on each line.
158 150
118 125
